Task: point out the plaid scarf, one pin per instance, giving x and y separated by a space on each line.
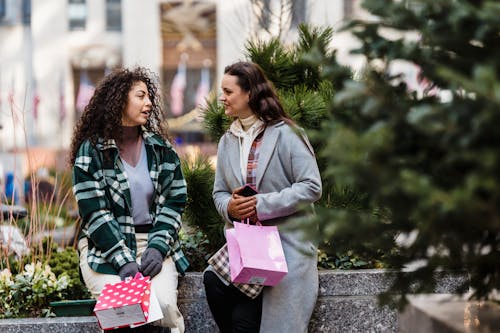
253 158
220 263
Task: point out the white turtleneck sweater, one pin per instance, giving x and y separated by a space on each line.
246 130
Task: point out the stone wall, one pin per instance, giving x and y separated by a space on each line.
347 302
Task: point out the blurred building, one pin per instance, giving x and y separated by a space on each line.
53 52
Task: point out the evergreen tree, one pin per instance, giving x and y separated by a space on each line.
428 162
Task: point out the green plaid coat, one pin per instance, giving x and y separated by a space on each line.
102 191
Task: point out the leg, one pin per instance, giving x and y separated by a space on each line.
232 310
219 301
247 314
95 283
165 287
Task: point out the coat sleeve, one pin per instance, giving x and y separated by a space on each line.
300 170
98 221
222 191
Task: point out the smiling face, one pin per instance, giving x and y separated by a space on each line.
138 105
235 99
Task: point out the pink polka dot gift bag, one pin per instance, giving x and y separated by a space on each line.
128 303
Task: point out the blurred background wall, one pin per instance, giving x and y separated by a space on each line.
54 52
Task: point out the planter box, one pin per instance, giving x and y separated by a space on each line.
73 308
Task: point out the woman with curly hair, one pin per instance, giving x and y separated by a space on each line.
130 191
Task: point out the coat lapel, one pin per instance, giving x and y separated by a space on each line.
233 156
266 151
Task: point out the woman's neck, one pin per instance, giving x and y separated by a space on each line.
130 134
130 144
247 122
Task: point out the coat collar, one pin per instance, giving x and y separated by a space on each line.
110 146
150 138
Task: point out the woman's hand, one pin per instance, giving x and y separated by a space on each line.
129 269
241 207
151 262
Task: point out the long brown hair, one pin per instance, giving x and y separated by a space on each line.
263 100
103 115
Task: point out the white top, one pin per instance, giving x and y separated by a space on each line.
141 188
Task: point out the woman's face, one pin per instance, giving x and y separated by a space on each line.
138 105
234 98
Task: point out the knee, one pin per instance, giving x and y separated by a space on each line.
210 279
214 287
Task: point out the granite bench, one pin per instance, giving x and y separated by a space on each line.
347 302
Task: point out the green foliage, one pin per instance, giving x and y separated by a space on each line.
307 108
428 163
28 293
61 262
345 261
200 209
67 261
215 121
275 61
196 247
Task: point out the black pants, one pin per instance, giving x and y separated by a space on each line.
233 311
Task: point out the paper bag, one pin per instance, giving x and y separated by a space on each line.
127 303
255 254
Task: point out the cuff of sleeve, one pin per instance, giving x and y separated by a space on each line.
228 217
164 250
120 256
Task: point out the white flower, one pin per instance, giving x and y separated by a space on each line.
29 269
63 282
6 277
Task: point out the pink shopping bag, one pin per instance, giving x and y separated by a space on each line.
255 254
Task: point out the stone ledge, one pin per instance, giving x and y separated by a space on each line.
364 282
347 302
50 325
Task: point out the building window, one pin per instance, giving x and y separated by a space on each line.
3 10
77 14
114 15
9 13
26 12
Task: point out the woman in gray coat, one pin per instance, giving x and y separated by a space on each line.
265 149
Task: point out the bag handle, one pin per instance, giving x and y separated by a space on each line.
247 222
138 275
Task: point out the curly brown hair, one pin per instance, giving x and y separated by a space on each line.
102 117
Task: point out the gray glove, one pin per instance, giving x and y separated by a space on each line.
129 269
151 262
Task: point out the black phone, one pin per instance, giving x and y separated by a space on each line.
248 191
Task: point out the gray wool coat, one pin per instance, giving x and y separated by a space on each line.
287 176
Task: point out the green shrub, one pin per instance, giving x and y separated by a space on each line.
28 293
196 247
200 209
67 261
